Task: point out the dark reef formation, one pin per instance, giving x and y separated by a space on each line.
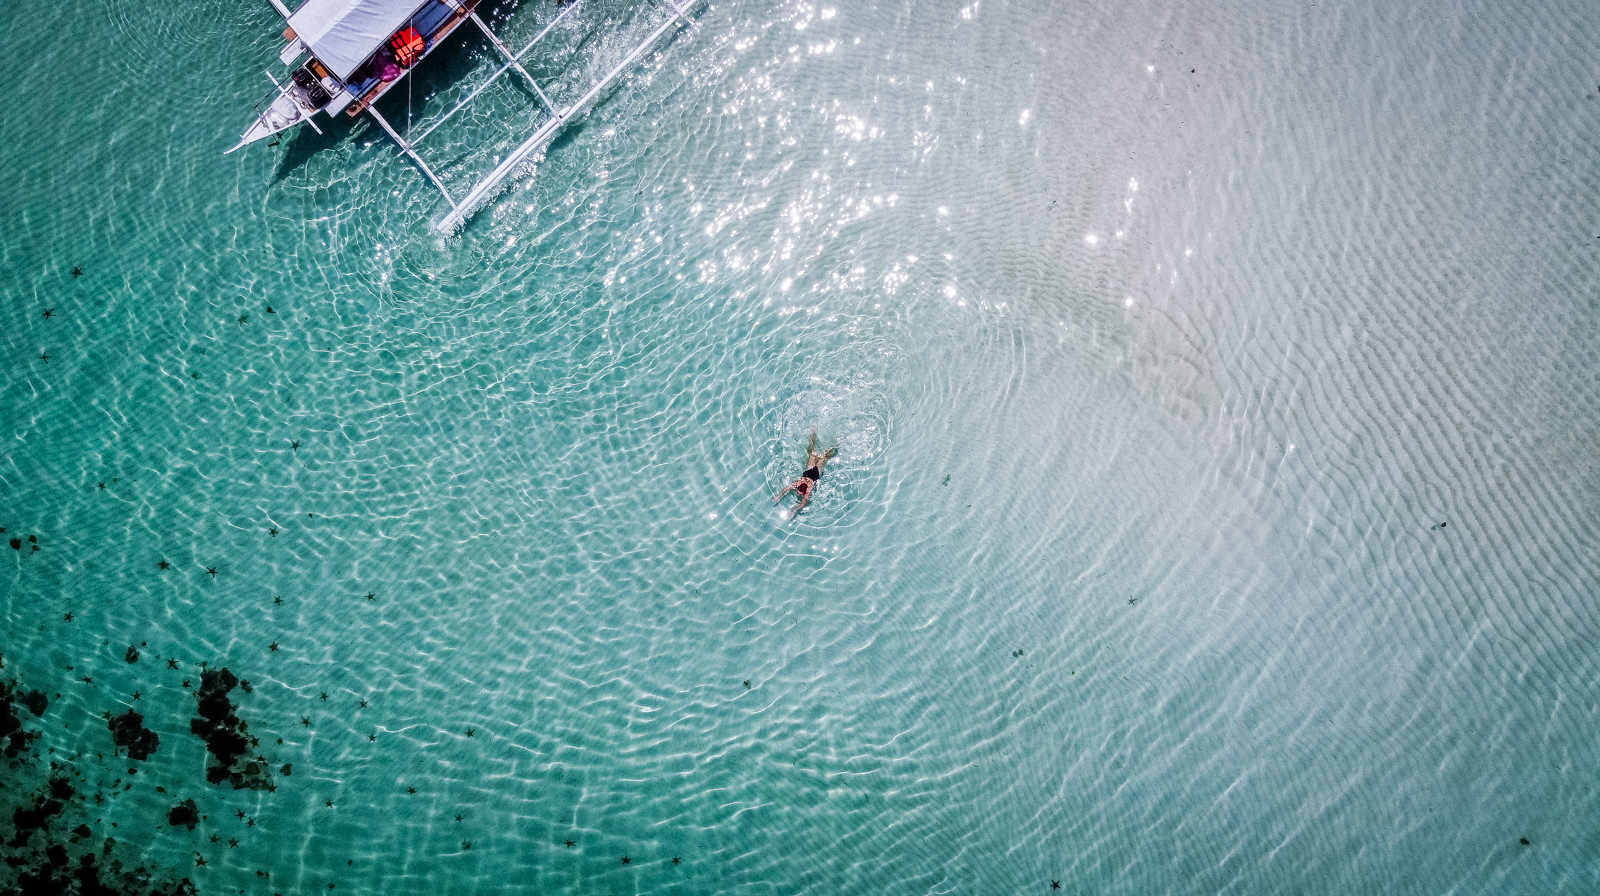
127 730
226 735
58 869
184 815
40 854
36 816
16 738
35 701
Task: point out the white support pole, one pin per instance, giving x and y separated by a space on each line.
406 148
510 61
544 100
548 131
682 13
510 57
549 107
461 105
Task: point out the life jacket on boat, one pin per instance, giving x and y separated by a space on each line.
407 45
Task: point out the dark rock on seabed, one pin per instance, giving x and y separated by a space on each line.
35 701
16 738
128 730
57 873
40 854
36 816
227 737
184 815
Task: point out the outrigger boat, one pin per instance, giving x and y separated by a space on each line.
355 51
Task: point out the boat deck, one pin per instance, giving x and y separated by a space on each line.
435 20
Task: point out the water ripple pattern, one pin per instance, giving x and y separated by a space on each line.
1214 508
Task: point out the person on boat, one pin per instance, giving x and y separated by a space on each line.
808 480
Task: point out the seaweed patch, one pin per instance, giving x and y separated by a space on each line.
226 736
17 739
127 730
44 852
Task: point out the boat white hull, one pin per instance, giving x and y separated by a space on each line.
290 107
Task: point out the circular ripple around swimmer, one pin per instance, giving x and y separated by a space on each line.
852 413
844 394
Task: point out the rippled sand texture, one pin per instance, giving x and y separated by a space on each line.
1215 511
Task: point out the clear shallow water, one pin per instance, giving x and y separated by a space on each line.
1219 311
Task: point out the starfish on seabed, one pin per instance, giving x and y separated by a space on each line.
76 272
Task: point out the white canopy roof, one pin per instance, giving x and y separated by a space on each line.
343 33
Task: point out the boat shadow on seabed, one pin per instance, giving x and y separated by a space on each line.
305 143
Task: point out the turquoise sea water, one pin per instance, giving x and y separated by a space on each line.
1217 500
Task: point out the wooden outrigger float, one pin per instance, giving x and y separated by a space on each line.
357 50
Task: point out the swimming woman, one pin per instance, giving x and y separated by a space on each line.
808 480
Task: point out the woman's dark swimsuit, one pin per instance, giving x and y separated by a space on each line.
812 473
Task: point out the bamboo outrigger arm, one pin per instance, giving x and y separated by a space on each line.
549 130
411 153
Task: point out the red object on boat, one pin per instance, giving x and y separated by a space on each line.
407 45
